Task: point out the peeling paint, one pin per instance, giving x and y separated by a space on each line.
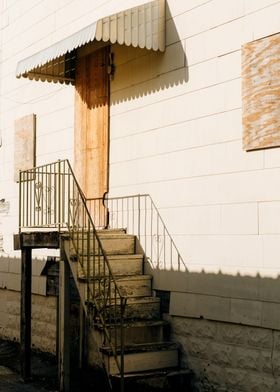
4 206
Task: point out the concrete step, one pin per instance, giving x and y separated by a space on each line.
135 286
120 265
111 231
139 308
170 380
130 286
139 332
143 357
147 308
113 244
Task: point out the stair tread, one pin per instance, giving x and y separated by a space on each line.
143 299
120 278
139 323
116 256
134 277
111 231
155 373
106 235
144 347
125 256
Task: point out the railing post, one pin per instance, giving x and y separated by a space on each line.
123 304
25 313
63 322
59 194
139 215
19 206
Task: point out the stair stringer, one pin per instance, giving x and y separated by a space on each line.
74 270
93 339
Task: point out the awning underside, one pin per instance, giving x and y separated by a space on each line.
142 26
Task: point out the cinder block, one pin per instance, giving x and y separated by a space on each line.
259 382
276 363
259 338
183 326
198 347
221 354
245 358
232 334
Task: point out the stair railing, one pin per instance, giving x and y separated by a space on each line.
50 198
140 216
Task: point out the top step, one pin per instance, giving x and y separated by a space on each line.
110 231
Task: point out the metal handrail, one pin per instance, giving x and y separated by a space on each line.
50 198
140 216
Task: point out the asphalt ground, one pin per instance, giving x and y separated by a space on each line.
44 371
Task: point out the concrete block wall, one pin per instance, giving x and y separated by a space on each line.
43 307
43 319
229 357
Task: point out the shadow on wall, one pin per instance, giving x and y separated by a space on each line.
10 272
141 72
228 327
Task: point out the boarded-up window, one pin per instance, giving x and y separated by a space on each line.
261 93
25 130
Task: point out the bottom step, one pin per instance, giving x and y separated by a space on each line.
163 381
143 357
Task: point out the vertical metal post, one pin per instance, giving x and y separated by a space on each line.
20 196
64 318
82 335
139 214
25 313
59 195
123 304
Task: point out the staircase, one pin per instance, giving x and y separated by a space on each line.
148 353
117 297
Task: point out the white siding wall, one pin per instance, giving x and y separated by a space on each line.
176 133
27 27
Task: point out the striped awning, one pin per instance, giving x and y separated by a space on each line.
142 26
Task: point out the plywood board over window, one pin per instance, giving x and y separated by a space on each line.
25 133
261 93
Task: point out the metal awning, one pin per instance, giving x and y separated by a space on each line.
142 26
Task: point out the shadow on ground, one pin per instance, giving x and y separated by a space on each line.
44 373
